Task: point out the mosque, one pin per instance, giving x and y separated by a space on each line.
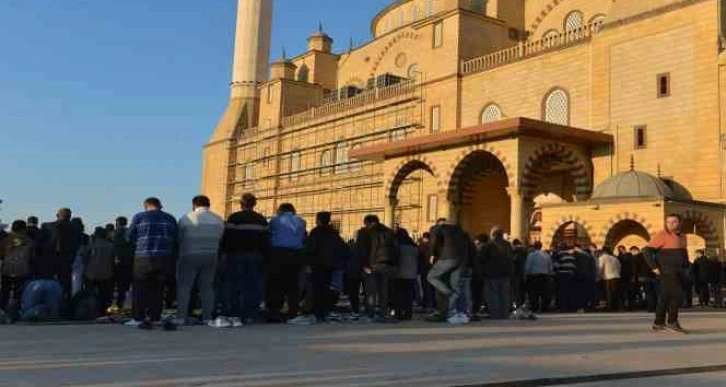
575 121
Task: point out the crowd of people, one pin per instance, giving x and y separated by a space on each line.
245 269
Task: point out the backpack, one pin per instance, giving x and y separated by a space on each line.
17 258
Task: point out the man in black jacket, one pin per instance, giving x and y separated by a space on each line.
450 248
379 256
497 259
123 250
32 229
58 244
326 251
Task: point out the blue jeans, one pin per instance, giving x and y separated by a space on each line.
444 277
243 280
463 304
41 299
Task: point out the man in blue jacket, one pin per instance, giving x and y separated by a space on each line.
154 232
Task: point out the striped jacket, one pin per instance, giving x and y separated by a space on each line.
245 231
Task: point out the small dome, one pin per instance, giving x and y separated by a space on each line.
632 184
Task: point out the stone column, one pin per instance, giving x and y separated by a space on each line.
517 221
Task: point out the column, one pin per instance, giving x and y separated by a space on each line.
390 212
517 221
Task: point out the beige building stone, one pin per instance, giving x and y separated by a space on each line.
503 113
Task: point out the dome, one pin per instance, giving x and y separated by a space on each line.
632 184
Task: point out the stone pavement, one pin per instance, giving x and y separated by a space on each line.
411 354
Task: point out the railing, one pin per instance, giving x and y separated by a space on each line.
362 99
529 49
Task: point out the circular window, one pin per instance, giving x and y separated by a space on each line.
413 72
401 60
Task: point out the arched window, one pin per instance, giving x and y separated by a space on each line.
303 73
557 107
341 157
401 20
326 160
249 175
574 21
429 10
415 15
413 72
549 38
597 21
491 113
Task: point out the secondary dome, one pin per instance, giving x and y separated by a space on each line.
632 184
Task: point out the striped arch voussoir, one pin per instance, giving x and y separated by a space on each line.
543 14
626 216
550 235
705 227
579 170
404 168
458 165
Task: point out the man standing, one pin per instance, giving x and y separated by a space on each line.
450 247
244 244
58 244
380 252
610 271
123 250
669 266
497 258
518 279
200 232
16 252
32 229
538 269
287 242
154 232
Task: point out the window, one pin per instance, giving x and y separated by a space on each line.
664 85
401 20
413 72
477 6
435 119
337 225
557 107
491 113
295 165
354 166
249 175
398 135
326 160
269 93
432 211
341 157
303 73
429 8
573 21
414 14
438 34
514 34
266 157
640 137
549 38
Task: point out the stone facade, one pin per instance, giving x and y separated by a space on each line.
423 121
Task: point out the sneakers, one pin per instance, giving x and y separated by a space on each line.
146 325
675 328
236 322
658 328
220 322
458 318
132 323
302 320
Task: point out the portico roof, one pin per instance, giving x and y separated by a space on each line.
494 131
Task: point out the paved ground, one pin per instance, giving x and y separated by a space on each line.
413 354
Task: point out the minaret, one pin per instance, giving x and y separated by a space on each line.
250 69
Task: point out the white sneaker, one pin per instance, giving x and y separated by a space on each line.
132 323
220 322
236 322
302 320
458 318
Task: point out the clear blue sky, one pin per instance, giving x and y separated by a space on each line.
105 102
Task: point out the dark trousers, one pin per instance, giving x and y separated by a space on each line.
650 289
353 282
517 290
243 281
322 299
403 298
65 279
704 293
103 291
497 292
376 285
429 292
612 294
122 278
538 290
670 300
477 292
169 290
283 284
148 296
566 293
586 290
11 286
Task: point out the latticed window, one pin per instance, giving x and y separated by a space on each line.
341 157
557 108
249 175
415 14
574 21
354 166
429 10
490 114
326 161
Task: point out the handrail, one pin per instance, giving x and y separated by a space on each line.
362 99
529 49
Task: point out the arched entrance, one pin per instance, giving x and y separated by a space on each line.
413 197
478 189
628 233
700 234
571 234
553 174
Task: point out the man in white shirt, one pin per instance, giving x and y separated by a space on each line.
609 269
200 232
538 269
